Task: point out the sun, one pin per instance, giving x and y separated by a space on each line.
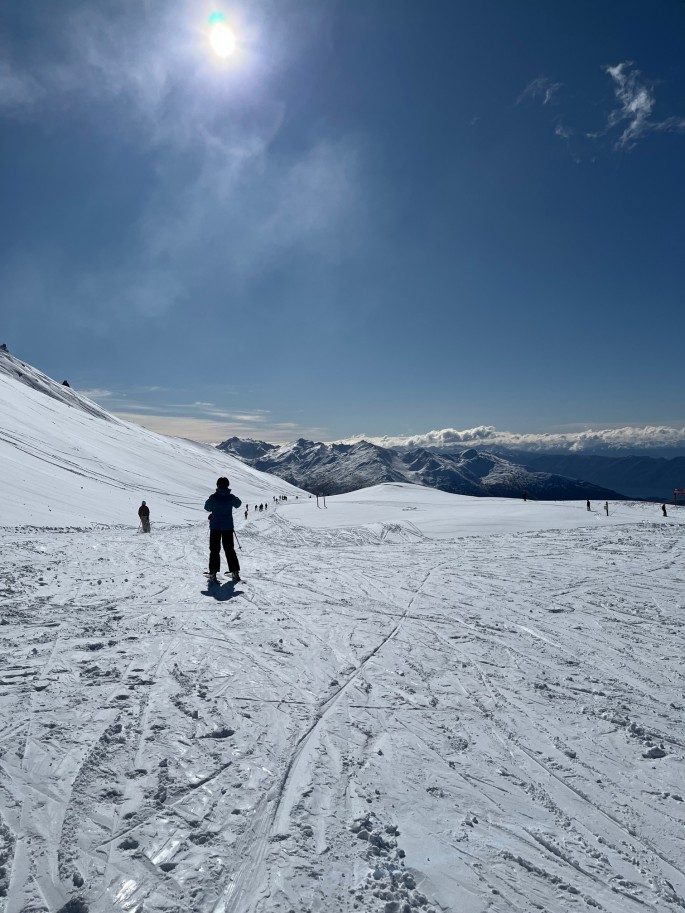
221 36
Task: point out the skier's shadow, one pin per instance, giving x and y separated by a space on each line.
222 593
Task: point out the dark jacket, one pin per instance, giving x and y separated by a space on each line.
143 511
220 505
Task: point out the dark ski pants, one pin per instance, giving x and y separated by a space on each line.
217 538
145 523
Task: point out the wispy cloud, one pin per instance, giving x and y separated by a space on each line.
592 439
220 193
19 90
540 89
213 432
633 117
199 420
98 393
636 101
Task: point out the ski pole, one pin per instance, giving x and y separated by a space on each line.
237 540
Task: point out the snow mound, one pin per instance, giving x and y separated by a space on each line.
68 463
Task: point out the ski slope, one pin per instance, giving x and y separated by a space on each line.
414 701
66 462
438 514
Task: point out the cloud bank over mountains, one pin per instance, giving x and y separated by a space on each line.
644 438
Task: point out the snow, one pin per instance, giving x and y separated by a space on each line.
66 462
415 701
438 514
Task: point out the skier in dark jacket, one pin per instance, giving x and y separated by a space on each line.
663 510
220 506
144 514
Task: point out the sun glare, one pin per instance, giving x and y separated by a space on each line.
221 36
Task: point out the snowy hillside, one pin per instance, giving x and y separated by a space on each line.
337 468
67 462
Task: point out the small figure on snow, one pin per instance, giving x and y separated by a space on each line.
220 506
144 514
525 495
587 504
663 510
606 508
246 512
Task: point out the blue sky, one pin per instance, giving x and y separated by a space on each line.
376 217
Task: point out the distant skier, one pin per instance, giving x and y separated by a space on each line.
606 508
587 504
525 495
246 512
220 506
144 514
663 510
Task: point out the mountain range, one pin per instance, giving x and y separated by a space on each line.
636 475
335 468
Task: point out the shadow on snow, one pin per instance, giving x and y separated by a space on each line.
223 592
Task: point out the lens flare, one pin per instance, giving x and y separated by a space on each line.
221 36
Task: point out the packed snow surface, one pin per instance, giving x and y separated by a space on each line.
415 701
381 717
438 514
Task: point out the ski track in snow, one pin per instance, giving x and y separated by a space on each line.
374 720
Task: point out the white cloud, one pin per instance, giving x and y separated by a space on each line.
633 117
590 440
636 101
